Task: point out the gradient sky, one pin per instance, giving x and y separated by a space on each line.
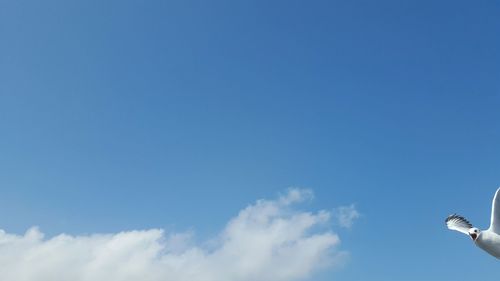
118 115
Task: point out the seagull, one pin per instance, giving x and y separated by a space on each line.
488 240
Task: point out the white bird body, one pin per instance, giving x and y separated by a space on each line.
488 240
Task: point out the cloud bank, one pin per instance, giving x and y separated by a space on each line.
266 241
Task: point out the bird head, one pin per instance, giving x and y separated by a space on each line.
474 233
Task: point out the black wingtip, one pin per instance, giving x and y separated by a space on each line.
458 218
450 217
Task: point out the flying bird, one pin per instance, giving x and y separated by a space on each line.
488 240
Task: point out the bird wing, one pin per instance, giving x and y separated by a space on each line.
495 213
458 223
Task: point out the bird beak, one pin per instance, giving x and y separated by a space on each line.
473 236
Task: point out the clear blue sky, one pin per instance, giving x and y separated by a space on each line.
176 114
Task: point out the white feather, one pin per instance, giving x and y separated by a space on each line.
458 223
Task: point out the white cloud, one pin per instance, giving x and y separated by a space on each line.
346 215
266 241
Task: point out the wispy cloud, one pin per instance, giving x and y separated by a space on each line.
346 215
266 241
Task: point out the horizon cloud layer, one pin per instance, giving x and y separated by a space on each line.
266 241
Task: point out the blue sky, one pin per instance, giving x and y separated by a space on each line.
177 114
